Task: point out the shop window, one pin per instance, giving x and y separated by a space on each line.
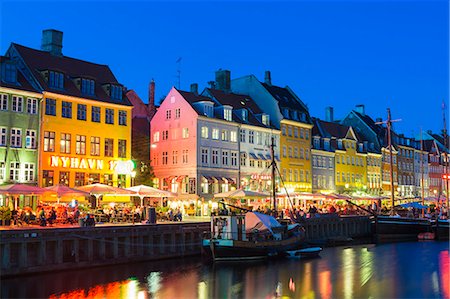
80 179
108 179
121 180
94 178
64 178
48 178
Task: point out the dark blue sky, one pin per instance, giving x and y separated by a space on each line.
332 53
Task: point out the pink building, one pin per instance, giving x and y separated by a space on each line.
194 146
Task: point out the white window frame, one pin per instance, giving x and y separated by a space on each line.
205 132
17 102
3 102
14 171
215 134
28 172
233 136
15 140
185 133
32 106
3 136
30 139
204 156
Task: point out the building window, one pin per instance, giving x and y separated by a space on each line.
81 112
233 136
122 148
3 136
121 180
50 107
185 156
66 109
17 104
15 138
47 178
165 158
109 147
116 92
185 133
3 102
95 146
14 171
224 135
88 87
251 137
215 134
204 156
79 179
65 143
156 137
175 157
94 178
49 141
108 179
10 73
306 134
242 135
205 132
215 157
284 151
122 118
227 114
234 158
2 171
95 114
224 158
56 80
28 171
64 178
165 135
109 116
243 159
177 113
168 114
81 145
32 105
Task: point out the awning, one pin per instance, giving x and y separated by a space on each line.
253 156
261 156
277 158
180 178
219 179
229 180
269 157
209 179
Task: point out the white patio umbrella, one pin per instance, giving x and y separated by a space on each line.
20 189
241 193
64 191
147 191
101 189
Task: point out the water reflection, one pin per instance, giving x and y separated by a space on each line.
387 271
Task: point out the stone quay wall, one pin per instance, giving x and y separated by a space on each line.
27 251
39 250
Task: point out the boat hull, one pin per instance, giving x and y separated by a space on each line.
441 229
399 228
223 250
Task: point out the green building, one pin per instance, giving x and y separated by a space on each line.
19 128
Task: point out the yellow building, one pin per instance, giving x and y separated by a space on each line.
85 118
295 147
374 182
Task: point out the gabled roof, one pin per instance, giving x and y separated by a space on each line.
237 101
39 61
21 84
286 99
192 97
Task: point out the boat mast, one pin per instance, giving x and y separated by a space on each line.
421 170
274 189
444 133
388 123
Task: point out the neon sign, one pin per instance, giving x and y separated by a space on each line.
119 167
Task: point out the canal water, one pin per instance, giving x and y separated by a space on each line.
399 270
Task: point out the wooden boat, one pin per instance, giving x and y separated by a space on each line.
391 228
250 236
441 229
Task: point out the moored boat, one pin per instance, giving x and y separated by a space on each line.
250 236
399 228
441 229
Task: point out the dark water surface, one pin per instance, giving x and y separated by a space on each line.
400 270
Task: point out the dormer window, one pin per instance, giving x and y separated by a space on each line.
327 144
227 115
56 80
87 87
265 119
294 115
286 112
316 142
340 144
9 73
208 109
361 147
116 92
244 114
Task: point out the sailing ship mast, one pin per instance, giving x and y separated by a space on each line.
388 123
274 188
444 133
421 170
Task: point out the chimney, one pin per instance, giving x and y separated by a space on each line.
194 88
329 114
223 80
360 109
267 78
151 95
52 41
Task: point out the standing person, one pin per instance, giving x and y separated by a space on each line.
52 216
41 216
15 216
